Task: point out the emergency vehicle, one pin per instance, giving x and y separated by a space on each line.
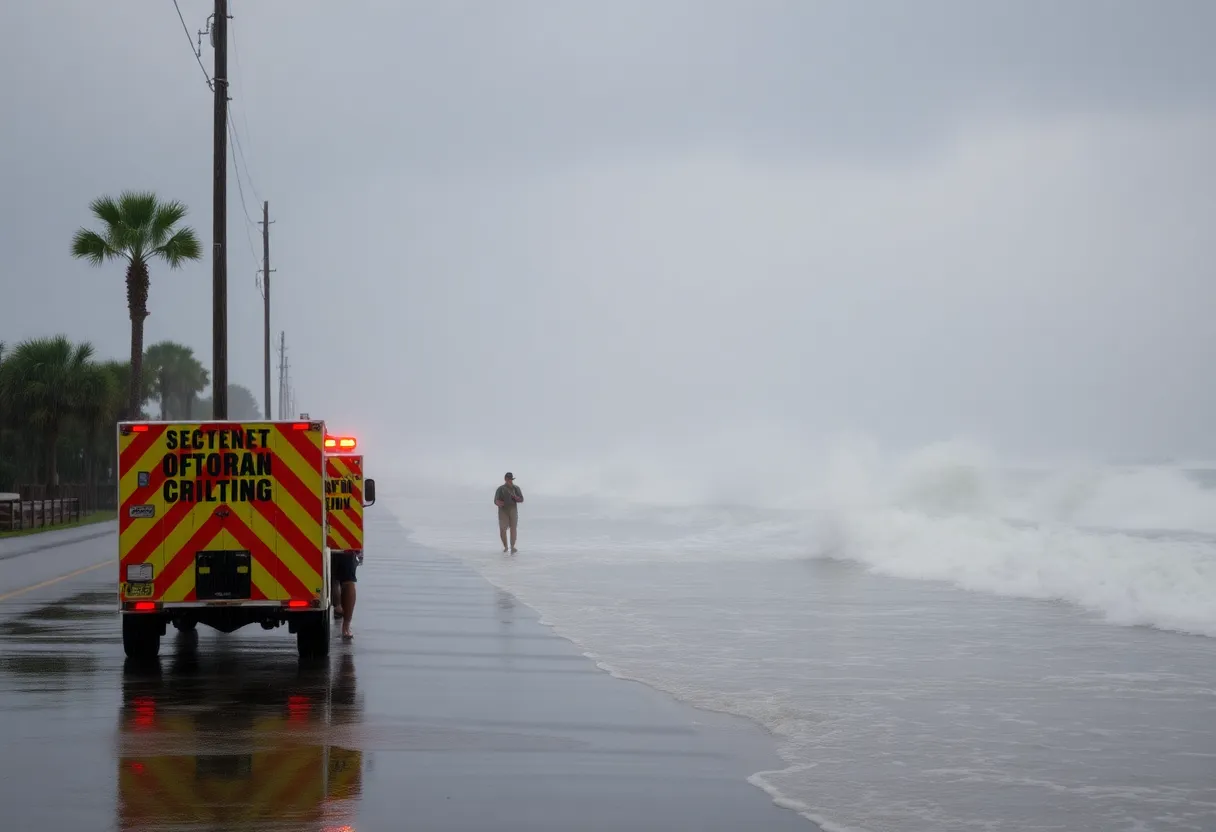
271 750
345 490
223 524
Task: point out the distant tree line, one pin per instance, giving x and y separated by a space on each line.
60 404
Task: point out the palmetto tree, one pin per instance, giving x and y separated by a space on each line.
98 405
43 382
177 378
137 227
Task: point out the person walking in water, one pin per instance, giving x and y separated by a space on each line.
507 498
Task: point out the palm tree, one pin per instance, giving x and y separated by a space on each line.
120 377
194 378
98 406
158 367
43 382
177 378
137 227
120 372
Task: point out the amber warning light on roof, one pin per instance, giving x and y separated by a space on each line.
341 443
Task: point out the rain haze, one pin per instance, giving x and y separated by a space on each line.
537 230
829 276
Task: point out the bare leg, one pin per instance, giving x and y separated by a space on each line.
502 533
512 536
348 605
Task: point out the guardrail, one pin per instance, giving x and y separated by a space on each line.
16 514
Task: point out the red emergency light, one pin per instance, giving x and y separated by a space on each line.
343 443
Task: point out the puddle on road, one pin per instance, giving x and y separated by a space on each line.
48 664
58 612
79 614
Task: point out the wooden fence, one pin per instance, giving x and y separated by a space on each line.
32 514
100 497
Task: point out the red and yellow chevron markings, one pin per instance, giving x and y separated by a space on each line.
344 502
190 487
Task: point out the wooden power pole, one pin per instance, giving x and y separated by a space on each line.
219 248
282 374
266 299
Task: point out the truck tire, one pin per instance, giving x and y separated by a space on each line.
313 634
141 637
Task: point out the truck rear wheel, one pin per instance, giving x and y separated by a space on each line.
141 637
313 634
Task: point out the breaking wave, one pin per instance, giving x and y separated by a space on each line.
1134 543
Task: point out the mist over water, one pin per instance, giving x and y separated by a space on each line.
1136 544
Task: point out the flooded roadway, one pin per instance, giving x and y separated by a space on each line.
453 709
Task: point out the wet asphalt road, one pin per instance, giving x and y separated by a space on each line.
453 709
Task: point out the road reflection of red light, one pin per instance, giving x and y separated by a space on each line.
145 711
298 707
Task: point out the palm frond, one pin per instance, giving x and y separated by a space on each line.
182 246
82 354
168 214
138 208
91 246
106 209
138 212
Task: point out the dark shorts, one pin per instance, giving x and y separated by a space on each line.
342 567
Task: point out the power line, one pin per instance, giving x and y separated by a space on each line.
244 117
198 53
240 188
249 223
241 163
239 149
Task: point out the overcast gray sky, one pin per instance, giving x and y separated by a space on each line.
525 229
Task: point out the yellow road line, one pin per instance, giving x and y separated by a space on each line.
17 592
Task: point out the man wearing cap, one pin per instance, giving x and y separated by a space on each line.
507 498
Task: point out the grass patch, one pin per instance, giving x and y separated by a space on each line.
87 520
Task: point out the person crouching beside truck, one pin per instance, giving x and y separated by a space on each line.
507 498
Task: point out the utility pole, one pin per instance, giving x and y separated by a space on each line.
266 297
282 373
219 199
